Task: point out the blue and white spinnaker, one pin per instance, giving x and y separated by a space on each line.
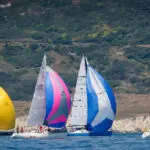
95 101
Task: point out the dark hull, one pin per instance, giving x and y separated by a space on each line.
6 133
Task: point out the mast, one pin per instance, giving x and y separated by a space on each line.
38 106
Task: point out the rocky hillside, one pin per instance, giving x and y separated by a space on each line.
113 34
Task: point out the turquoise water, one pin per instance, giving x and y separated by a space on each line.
61 142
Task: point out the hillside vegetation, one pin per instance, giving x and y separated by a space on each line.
113 34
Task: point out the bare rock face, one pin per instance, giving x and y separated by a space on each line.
131 125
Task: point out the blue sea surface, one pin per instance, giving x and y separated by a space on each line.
62 142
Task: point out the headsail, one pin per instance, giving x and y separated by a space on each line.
58 101
101 102
37 109
78 116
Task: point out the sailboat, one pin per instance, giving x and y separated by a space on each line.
94 105
50 104
7 114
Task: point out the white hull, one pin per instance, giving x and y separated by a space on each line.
30 135
79 133
87 133
145 135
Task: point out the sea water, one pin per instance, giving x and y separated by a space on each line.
62 142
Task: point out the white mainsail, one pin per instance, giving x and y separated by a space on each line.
38 106
78 116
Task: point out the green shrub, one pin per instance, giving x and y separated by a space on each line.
142 54
34 47
38 35
12 49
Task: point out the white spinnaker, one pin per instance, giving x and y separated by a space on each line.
105 110
38 106
78 116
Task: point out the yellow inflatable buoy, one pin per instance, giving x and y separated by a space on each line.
7 112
